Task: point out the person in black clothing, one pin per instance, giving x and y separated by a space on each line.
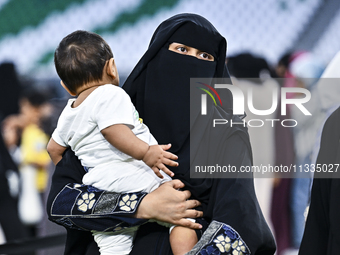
321 235
10 222
159 88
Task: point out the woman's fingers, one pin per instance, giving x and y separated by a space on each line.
192 203
168 204
187 195
176 184
189 224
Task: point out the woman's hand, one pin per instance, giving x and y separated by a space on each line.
170 205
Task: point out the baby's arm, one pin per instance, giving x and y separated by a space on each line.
55 151
155 156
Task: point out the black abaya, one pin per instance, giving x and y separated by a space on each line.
159 86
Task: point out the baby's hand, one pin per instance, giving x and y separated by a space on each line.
157 157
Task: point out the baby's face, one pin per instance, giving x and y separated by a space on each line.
187 50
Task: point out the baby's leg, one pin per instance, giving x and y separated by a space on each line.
113 243
182 240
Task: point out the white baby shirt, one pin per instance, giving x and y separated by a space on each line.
110 169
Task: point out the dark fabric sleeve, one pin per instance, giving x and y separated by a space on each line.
83 207
105 213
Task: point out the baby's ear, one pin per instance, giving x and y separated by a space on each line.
111 68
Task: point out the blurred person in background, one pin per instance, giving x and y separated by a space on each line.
281 69
11 87
252 73
10 222
306 69
303 70
27 142
285 156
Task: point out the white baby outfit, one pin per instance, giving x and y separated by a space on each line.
108 168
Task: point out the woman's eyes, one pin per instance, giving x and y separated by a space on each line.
182 49
201 55
206 56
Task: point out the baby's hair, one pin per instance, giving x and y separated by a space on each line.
80 58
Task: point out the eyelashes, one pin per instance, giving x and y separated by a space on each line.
186 50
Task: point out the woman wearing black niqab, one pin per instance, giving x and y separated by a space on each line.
159 88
